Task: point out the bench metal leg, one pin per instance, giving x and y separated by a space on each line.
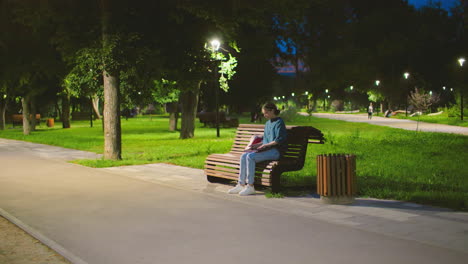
275 182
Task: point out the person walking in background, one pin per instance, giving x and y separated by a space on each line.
370 111
274 138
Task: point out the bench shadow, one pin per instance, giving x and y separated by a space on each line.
421 203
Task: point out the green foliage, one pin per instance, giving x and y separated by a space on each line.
226 68
274 195
453 111
374 96
289 114
227 71
165 91
85 78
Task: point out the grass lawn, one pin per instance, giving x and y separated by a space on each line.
427 168
443 118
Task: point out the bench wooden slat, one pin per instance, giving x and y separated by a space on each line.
232 164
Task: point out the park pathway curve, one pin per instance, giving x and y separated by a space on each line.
396 123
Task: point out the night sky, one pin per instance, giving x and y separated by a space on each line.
445 3
289 70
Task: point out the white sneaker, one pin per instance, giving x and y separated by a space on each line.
248 190
236 189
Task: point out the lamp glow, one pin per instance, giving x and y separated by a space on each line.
461 61
215 44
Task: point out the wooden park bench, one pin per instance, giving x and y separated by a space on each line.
75 116
209 119
223 167
18 119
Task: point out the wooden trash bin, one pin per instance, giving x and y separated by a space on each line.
336 178
50 122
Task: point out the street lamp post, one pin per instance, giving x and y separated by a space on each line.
326 101
377 83
215 44
350 97
461 61
406 75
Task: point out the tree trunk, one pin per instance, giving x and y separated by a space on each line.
173 118
189 102
26 112
173 110
3 106
65 111
112 130
95 101
33 113
58 112
313 108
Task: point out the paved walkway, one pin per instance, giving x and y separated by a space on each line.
161 213
396 123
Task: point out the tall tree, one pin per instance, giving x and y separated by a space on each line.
112 129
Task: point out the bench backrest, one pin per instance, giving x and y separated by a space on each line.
298 138
19 117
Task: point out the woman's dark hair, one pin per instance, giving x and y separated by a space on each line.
271 106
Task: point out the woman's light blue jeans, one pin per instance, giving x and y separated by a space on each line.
248 161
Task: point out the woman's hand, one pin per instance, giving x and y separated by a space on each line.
265 146
254 146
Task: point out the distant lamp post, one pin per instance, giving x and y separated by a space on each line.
350 101
215 44
292 94
325 100
461 61
406 75
377 83
443 88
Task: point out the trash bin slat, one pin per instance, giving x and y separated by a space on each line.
336 176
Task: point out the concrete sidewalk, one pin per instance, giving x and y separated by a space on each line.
161 213
396 123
